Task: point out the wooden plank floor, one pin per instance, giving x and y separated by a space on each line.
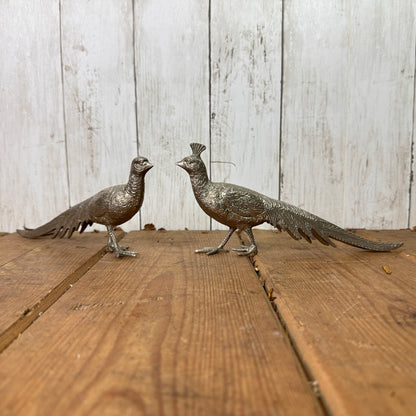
172 332
169 332
351 315
30 282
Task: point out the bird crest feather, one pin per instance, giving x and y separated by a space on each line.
197 148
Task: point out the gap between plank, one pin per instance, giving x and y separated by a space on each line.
307 373
32 314
412 148
209 99
63 103
282 67
133 25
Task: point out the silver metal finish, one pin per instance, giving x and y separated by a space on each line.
241 209
111 207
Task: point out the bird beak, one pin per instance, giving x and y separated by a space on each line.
148 166
180 164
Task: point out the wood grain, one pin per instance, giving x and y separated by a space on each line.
166 73
31 116
412 187
245 94
172 93
314 124
98 66
14 246
169 332
380 115
347 111
352 324
34 273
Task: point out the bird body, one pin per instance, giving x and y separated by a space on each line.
242 208
111 207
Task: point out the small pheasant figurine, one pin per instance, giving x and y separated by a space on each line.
111 207
241 209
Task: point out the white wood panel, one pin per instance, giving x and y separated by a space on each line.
314 106
347 105
380 114
172 92
97 46
412 187
245 86
347 110
33 174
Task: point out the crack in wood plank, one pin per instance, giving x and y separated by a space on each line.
301 327
31 314
307 373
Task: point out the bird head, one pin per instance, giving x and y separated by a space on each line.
193 163
140 165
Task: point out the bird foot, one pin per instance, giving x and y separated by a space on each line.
122 248
211 250
124 253
246 250
121 251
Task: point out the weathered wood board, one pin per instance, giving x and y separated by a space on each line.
34 273
245 94
169 332
98 68
348 110
85 85
32 138
352 323
171 38
412 186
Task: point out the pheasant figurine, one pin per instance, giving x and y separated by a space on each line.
241 209
111 207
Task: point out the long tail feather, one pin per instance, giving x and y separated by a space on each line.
302 224
64 224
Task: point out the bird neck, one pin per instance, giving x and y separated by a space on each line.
135 185
199 180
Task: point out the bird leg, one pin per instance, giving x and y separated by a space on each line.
114 247
214 250
110 245
250 250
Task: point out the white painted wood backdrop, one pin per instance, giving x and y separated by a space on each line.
309 101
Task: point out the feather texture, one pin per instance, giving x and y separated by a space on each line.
241 208
64 224
299 223
111 207
197 148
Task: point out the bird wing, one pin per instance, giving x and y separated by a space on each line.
243 202
99 205
65 223
94 209
299 223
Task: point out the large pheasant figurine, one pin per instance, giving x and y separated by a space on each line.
241 208
111 207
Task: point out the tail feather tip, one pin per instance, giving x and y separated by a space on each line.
23 232
385 246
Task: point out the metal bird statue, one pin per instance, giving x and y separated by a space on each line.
111 207
241 209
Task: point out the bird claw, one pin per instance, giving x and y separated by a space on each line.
246 250
211 250
124 253
121 251
122 248
242 248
